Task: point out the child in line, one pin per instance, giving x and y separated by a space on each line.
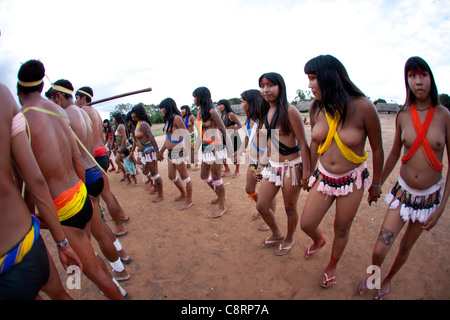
130 168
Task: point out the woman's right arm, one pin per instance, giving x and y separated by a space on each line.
396 149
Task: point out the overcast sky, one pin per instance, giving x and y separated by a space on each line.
176 46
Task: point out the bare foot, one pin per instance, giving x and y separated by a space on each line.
256 215
264 227
159 198
181 197
186 205
219 212
226 173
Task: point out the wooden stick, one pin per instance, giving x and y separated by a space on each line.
119 96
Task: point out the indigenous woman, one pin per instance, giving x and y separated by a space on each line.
108 136
214 135
420 195
120 139
176 152
286 133
231 122
189 123
148 148
342 118
255 108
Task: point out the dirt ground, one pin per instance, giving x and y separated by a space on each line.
178 255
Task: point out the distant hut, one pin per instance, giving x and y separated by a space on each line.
237 109
303 105
387 107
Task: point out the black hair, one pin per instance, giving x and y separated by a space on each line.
63 83
141 113
31 71
125 151
129 118
121 120
335 84
417 63
87 90
188 110
281 113
203 96
171 111
50 93
257 106
107 129
226 104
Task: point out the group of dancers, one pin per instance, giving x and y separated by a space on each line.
54 153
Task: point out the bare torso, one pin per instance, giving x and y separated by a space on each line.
416 172
97 126
15 219
352 133
52 145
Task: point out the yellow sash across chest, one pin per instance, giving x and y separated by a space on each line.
345 151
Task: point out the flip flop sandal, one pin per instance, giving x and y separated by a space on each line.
361 288
380 296
270 243
281 251
326 285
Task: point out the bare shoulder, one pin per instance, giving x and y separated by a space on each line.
179 123
364 104
92 112
144 127
293 111
443 112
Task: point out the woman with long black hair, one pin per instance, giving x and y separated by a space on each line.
120 139
233 124
422 130
148 148
214 146
255 107
190 123
342 119
288 166
177 155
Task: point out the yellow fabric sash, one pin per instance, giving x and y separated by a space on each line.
345 151
16 254
71 201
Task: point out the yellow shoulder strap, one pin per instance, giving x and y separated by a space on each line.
345 151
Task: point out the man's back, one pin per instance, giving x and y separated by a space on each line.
53 144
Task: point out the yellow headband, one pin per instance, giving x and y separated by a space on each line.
30 84
84 92
62 89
